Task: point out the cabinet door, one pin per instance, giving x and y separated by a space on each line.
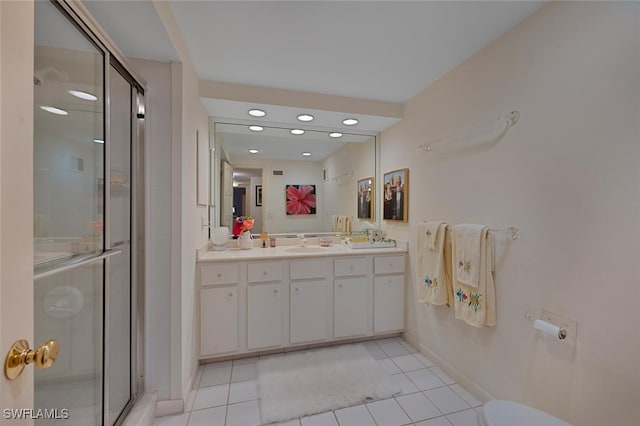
350 307
308 311
388 303
264 313
218 320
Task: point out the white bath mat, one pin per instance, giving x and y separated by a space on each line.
312 382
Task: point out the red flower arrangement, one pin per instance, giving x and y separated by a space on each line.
242 224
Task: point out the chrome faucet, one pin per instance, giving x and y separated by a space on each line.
302 241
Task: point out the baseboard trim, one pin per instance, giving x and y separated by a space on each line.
302 347
143 412
482 395
168 407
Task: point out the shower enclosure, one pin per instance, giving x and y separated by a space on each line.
88 221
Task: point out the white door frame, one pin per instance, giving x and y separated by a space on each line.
16 196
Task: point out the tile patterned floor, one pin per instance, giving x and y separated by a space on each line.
226 395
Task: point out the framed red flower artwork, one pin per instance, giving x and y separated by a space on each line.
301 199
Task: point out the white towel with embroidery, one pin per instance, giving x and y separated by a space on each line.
430 233
475 305
467 253
432 280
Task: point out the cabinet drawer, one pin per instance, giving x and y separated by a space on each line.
264 272
389 264
351 267
304 269
219 274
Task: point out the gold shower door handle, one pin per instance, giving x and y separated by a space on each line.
20 356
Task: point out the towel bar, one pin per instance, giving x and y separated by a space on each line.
509 119
512 233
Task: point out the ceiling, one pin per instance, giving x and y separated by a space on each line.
380 50
371 51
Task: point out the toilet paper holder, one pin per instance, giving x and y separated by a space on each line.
552 323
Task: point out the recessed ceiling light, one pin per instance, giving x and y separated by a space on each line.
297 132
256 128
305 117
54 110
257 112
349 121
253 151
98 141
335 135
306 154
83 95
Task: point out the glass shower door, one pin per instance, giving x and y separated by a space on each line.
69 173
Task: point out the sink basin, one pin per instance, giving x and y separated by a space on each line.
305 249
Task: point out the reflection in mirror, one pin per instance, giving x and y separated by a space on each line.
291 183
68 140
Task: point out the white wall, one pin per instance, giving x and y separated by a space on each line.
345 167
188 117
194 118
567 175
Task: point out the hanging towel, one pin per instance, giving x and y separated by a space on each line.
475 305
340 223
467 253
433 283
334 223
347 224
430 233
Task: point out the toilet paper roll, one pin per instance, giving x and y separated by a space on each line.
547 327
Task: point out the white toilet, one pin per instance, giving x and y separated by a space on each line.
508 413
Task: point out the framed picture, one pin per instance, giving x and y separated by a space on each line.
365 198
202 171
395 195
258 195
300 199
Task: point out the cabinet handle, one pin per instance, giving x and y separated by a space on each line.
264 273
275 291
296 289
351 267
219 275
230 294
339 285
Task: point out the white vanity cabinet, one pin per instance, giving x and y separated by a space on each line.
352 297
264 316
277 300
219 323
265 305
308 311
388 306
309 304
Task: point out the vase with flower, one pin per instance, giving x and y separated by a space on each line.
242 230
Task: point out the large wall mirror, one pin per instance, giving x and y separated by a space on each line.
293 180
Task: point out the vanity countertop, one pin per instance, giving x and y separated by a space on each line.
292 251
